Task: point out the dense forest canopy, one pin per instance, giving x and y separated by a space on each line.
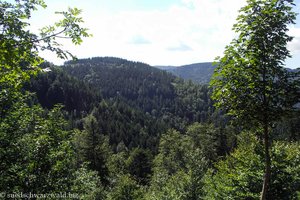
113 129
127 98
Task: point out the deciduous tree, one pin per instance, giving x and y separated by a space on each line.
20 47
250 81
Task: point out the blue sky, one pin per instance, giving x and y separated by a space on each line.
157 32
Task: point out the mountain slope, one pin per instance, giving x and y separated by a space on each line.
144 87
135 103
198 72
167 68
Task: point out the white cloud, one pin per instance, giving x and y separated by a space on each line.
294 45
201 27
139 40
180 47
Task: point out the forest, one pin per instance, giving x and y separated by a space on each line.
112 129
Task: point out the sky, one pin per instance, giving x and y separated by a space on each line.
156 32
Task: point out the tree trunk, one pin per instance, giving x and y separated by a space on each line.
267 175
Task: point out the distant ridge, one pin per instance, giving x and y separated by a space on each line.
198 72
167 68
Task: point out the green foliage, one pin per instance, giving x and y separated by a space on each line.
125 125
117 165
175 187
56 86
205 137
250 82
69 26
126 188
93 147
87 184
193 102
138 102
18 55
172 152
214 142
239 175
139 165
286 170
36 151
178 168
38 156
122 109
19 48
146 89
288 129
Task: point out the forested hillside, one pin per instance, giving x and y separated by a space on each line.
132 102
151 90
198 72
